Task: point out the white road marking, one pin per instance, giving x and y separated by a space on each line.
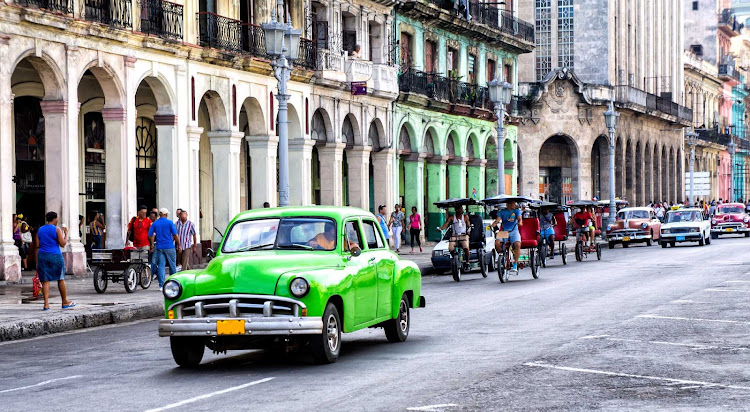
737 281
431 407
692 319
685 301
208 395
41 383
658 342
672 381
594 337
726 290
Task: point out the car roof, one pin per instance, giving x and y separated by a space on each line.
686 209
335 212
636 208
731 204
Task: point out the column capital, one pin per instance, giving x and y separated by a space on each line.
165 119
301 145
194 132
458 161
114 114
415 157
437 159
477 162
385 152
54 107
221 139
332 147
261 140
360 150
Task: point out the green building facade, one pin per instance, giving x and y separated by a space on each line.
444 120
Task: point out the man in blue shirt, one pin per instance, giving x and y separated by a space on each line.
164 233
509 220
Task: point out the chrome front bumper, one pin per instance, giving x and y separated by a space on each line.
689 237
619 237
720 229
254 326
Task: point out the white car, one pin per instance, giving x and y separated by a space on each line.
441 257
685 225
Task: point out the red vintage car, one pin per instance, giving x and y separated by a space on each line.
634 225
730 218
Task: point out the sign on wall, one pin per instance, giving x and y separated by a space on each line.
359 88
701 183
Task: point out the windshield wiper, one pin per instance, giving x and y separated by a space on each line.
295 246
253 247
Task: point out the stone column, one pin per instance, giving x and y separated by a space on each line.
331 161
10 261
476 170
194 144
166 163
383 179
435 190
530 174
358 159
262 150
300 182
225 148
414 189
457 175
117 176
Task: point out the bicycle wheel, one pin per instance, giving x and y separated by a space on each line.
502 265
543 254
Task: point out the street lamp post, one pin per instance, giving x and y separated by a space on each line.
610 117
731 147
282 46
691 138
500 95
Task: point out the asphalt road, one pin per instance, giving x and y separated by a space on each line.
645 328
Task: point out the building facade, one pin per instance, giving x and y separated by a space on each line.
587 54
443 118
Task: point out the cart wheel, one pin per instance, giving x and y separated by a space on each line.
534 262
144 277
579 252
543 255
491 264
100 279
598 252
564 253
483 263
502 266
130 278
456 267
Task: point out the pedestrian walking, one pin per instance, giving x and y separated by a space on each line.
415 228
397 225
138 230
188 239
96 227
384 224
152 216
177 215
50 263
23 248
163 235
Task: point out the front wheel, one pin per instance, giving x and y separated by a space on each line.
579 252
663 245
598 252
326 346
397 330
187 351
543 255
534 261
564 253
145 277
708 240
701 241
648 242
611 245
502 266
130 279
456 267
482 263
714 235
491 263
100 279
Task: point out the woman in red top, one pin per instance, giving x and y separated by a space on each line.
415 227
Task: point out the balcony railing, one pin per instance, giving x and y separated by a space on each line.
728 72
162 18
330 60
116 13
439 88
307 54
632 95
60 6
714 135
219 32
727 19
502 20
254 40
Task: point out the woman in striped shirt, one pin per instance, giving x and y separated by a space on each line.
96 229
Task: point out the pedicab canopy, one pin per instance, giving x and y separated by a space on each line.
541 204
581 203
499 199
456 201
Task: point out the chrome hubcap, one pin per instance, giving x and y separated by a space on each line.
332 327
403 317
131 277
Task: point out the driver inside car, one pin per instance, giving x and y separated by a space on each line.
325 240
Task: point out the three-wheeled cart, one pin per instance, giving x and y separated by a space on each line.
476 239
129 266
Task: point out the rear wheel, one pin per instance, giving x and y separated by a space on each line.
187 351
456 267
579 251
145 276
543 255
708 240
130 279
598 252
701 242
397 330
502 266
482 262
100 279
326 346
564 254
534 262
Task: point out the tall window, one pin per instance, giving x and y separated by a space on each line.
405 50
542 15
452 61
565 33
430 49
490 70
472 76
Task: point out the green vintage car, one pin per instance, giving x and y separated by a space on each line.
295 276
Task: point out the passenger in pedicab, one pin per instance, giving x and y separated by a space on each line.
547 222
509 220
585 219
459 222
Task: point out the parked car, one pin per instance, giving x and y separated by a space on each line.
299 276
730 219
634 225
685 225
441 257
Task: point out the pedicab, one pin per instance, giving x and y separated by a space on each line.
581 249
128 266
477 243
529 232
561 232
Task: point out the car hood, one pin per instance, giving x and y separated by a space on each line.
256 272
729 217
680 224
630 224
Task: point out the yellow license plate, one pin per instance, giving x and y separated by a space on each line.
230 327
626 239
729 229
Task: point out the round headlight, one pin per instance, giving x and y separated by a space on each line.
644 225
746 219
172 289
665 231
713 222
609 228
299 287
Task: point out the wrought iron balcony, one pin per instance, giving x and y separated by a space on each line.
60 6
442 89
728 22
162 18
490 15
219 32
254 40
116 13
727 71
639 99
307 54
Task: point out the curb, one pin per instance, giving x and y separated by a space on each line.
86 318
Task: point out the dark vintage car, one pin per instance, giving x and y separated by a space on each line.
730 219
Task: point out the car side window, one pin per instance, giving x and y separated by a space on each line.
372 236
351 229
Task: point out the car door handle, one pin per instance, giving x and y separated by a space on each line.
371 261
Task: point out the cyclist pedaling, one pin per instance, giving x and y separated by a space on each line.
509 220
584 219
459 223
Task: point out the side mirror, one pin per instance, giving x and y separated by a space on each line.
210 253
356 251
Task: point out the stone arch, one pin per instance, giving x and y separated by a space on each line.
473 146
376 135
647 167
600 167
640 197
406 143
619 167
559 168
163 93
629 187
48 72
254 120
452 149
321 128
350 133
217 111
457 146
407 129
110 83
429 143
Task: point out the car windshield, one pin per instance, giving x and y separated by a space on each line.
676 217
633 214
303 233
730 209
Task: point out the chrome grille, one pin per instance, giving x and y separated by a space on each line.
680 230
735 225
236 306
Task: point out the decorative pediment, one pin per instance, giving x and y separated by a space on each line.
556 74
